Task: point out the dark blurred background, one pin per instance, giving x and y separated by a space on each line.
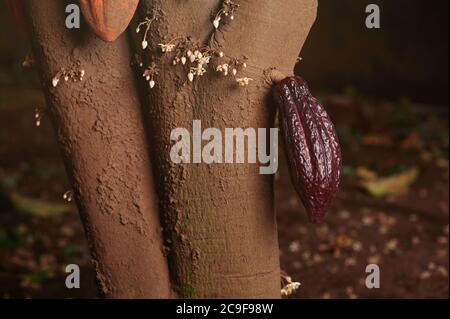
407 56
387 92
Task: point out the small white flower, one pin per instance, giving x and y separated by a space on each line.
216 23
244 81
183 60
290 288
234 71
204 60
66 78
199 70
152 84
144 44
147 78
55 81
138 30
223 68
68 196
167 47
244 65
232 17
192 58
221 54
82 73
191 76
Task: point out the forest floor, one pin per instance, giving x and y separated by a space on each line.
392 209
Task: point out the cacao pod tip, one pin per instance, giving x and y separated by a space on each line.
108 18
108 37
316 217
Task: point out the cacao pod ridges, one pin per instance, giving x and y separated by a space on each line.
312 146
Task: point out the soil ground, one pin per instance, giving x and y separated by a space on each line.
405 231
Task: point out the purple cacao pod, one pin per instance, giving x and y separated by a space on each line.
311 144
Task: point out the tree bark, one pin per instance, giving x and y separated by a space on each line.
99 128
219 219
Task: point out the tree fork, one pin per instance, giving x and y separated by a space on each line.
99 129
219 219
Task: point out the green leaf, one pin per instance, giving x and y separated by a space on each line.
391 185
38 208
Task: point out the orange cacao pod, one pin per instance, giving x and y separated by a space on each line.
108 18
16 9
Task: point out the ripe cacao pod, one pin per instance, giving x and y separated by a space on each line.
108 18
311 144
18 14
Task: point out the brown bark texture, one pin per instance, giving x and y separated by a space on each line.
219 219
99 128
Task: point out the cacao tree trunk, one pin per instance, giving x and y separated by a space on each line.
219 219
100 132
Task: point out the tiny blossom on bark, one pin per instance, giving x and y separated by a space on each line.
147 23
38 114
198 58
150 73
68 74
223 68
233 66
28 62
168 47
68 196
244 81
228 9
289 286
